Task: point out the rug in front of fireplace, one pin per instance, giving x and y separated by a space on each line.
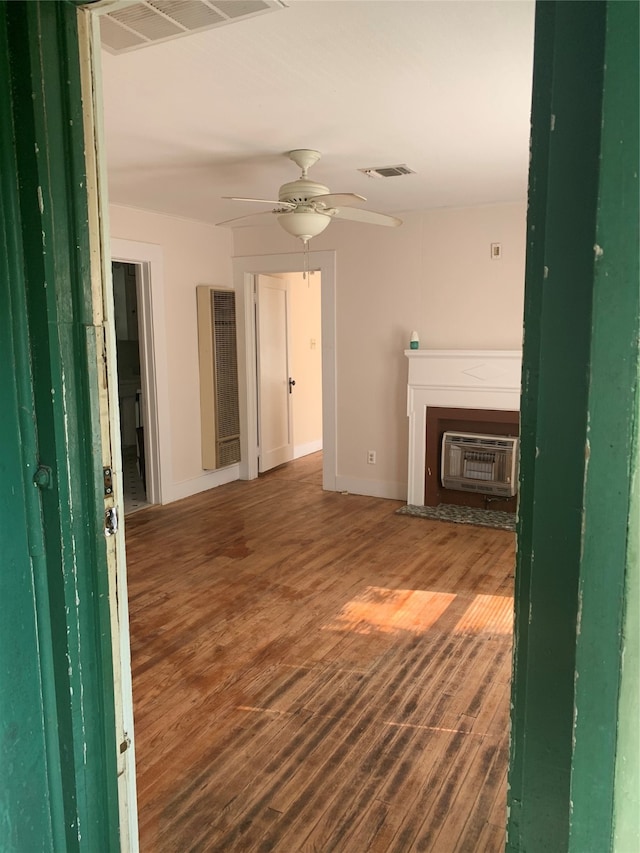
463 515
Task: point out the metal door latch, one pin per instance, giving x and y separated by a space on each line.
110 521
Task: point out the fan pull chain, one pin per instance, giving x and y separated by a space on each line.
305 264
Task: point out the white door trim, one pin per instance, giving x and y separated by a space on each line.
244 271
153 361
102 296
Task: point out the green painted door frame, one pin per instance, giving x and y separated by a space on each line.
572 773
57 731
576 559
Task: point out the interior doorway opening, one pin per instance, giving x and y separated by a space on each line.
152 410
246 270
131 398
288 330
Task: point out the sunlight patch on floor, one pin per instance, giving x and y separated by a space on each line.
487 614
392 611
395 611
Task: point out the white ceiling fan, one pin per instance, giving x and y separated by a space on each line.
305 208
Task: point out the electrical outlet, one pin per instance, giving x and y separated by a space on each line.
371 457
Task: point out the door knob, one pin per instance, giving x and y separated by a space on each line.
292 382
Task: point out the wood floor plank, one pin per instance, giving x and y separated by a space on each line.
353 784
411 776
350 721
315 673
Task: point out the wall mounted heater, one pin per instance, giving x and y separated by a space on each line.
219 400
472 462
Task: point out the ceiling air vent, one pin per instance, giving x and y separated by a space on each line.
132 24
387 171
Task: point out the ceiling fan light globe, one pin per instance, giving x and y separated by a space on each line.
304 225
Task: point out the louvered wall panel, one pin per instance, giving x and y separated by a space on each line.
223 310
219 402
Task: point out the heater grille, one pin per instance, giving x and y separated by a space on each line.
225 360
219 400
473 462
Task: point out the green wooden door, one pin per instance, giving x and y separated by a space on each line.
57 731
30 818
578 426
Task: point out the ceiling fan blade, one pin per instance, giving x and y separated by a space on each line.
368 216
337 199
248 220
260 200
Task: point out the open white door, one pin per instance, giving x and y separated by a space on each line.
275 383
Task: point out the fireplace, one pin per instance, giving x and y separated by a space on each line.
463 390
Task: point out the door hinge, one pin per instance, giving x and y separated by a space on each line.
107 476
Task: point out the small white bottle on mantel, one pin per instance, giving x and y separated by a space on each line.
414 342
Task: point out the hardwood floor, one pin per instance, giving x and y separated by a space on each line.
312 672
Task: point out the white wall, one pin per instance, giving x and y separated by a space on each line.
193 253
434 274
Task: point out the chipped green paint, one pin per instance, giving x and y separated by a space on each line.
56 707
579 380
612 404
31 816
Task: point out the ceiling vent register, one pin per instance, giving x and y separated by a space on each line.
132 24
387 171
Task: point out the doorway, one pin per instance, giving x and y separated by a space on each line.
245 271
289 369
553 390
126 278
153 401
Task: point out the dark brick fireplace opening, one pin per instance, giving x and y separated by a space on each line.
484 421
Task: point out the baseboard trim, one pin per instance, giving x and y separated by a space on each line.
372 488
210 480
305 449
354 485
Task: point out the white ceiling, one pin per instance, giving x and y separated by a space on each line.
443 86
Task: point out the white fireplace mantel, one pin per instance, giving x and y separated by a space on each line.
465 379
